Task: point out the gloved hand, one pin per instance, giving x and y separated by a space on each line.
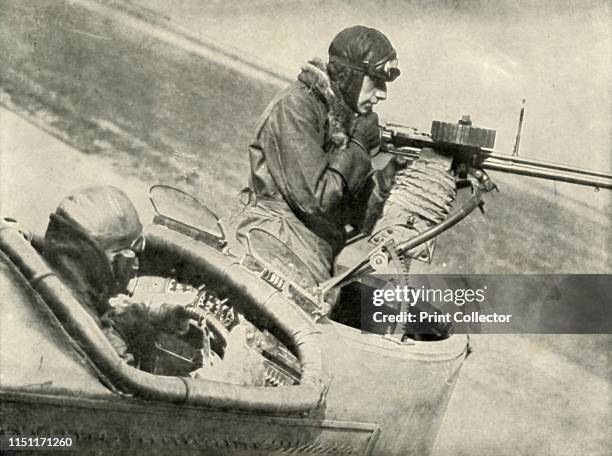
167 312
366 132
173 318
386 175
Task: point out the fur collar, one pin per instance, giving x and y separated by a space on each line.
340 116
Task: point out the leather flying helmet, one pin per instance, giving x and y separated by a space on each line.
93 239
359 51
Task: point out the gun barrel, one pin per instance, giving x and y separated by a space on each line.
408 142
546 165
574 176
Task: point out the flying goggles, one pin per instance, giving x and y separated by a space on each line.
386 69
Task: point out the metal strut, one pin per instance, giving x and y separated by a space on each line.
364 266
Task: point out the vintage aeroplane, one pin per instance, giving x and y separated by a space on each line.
268 365
280 377
277 380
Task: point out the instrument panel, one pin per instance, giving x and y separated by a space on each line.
231 348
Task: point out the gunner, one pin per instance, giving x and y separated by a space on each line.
311 172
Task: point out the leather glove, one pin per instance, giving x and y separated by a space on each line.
366 132
168 313
173 318
386 175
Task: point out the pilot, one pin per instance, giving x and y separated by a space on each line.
93 240
311 173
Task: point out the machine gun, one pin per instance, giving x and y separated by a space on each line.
472 147
467 150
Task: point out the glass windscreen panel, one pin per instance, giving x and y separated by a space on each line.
280 258
176 205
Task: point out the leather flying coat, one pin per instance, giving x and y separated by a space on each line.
307 179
